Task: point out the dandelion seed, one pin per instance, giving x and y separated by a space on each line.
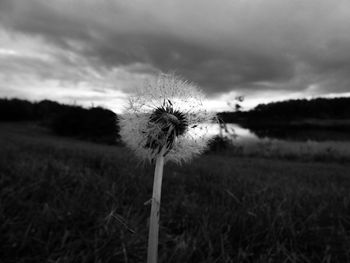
159 125
165 112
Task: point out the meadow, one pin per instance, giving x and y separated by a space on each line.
66 200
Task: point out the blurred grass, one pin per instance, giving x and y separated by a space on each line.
64 200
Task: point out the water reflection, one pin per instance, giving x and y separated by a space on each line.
230 130
249 143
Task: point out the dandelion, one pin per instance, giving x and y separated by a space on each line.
161 124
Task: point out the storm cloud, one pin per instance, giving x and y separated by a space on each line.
245 46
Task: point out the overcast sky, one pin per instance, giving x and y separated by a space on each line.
94 52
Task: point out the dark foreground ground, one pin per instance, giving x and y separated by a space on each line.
63 200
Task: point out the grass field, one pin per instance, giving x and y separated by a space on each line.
64 200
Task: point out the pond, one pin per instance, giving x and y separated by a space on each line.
247 142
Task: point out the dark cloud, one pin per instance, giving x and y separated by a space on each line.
213 69
224 46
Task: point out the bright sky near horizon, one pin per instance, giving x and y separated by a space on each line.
95 52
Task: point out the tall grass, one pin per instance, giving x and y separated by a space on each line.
68 201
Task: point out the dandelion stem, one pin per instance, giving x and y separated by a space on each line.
152 252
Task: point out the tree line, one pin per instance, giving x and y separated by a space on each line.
101 125
96 123
293 110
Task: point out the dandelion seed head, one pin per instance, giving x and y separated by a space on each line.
162 115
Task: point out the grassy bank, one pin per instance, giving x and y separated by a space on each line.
64 200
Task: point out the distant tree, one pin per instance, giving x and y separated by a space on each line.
321 108
237 104
16 110
95 124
